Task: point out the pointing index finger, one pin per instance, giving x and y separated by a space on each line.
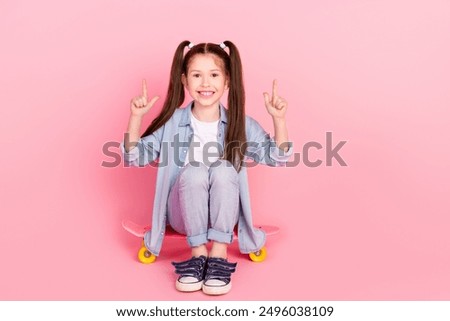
144 88
275 89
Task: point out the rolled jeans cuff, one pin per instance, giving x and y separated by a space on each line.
197 240
218 236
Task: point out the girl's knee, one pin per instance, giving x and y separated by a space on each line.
194 174
224 169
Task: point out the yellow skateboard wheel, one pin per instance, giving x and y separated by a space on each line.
145 256
258 256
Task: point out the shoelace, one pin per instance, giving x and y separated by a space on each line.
219 269
192 267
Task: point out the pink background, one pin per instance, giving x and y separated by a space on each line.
375 73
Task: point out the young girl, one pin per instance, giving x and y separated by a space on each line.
201 186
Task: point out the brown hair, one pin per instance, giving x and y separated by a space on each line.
235 138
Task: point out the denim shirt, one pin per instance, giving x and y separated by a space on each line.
169 145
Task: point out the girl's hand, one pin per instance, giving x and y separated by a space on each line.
140 104
276 106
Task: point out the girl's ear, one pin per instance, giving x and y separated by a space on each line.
183 80
227 83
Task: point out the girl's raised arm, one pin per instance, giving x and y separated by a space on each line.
139 106
276 107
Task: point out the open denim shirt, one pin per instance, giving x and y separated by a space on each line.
169 145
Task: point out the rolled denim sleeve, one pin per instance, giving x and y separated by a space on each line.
146 151
262 148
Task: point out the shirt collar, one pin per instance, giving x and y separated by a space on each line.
186 115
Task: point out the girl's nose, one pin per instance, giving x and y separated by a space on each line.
205 82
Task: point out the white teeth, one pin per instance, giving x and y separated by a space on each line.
206 93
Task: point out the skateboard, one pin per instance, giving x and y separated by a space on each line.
146 257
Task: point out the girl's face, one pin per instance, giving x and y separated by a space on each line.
206 80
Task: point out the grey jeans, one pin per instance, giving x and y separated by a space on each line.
203 203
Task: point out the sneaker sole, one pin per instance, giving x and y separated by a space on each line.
216 290
188 287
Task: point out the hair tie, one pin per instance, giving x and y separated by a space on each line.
222 45
191 44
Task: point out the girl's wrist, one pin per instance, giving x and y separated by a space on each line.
136 117
277 120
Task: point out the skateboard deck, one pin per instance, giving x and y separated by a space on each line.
140 230
146 257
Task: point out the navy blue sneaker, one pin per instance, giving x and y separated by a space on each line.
218 276
192 273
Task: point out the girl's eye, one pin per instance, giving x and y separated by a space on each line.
215 75
196 75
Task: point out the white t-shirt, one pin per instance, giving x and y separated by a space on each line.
204 145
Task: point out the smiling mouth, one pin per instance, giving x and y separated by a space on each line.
206 93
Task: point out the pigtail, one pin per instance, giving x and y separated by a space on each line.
175 92
235 139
